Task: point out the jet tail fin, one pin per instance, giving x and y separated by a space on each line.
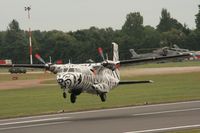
176 46
115 52
133 53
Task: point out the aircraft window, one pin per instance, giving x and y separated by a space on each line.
65 69
71 70
59 70
78 70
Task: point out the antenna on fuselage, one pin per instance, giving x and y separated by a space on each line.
50 59
106 56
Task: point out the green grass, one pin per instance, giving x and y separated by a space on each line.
44 100
168 64
28 76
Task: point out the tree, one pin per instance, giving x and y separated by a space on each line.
192 41
133 25
1 43
14 43
151 38
197 20
173 36
14 26
167 23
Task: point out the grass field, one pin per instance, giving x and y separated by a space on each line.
48 99
28 76
168 64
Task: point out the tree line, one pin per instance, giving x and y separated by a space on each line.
81 45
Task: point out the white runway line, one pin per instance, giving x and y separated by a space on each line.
34 125
33 121
164 129
165 112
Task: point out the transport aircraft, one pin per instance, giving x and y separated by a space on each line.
94 78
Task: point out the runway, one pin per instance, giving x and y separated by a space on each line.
140 119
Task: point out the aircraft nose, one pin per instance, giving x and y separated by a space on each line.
60 80
69 82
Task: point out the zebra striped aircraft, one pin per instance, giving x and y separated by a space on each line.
93 78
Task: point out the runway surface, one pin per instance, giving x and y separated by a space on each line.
140 119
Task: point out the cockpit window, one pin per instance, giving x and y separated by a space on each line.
78 70
71 70
58 70
65 69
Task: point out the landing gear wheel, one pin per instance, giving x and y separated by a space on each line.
103 97
73 98
64 95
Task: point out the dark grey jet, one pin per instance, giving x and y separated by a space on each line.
178 49
165 51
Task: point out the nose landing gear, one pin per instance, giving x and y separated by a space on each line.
73 98
64 95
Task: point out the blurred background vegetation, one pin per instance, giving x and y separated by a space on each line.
81 45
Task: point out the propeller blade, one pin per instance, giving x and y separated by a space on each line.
40 58
101 53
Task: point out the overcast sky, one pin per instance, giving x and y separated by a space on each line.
71 15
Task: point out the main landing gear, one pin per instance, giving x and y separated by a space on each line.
103 97
72 97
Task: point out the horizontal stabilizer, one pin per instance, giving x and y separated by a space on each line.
135 82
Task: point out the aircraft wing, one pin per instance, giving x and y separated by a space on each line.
153 59
25 65
135 82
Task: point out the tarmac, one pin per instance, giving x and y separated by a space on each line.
138 119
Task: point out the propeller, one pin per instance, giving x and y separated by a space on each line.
101 53
49 66
37 56
106 63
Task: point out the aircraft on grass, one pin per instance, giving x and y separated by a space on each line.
94 78
156 53
160 52
178 49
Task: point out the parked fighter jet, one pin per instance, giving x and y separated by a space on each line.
165 51
178 49
94 78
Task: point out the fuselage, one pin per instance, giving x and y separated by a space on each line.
89 78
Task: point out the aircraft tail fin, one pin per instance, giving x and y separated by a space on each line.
176 46
133 53
115 52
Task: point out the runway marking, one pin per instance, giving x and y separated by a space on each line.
164 112
133 107
33 121
28 126
164 129
101 110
